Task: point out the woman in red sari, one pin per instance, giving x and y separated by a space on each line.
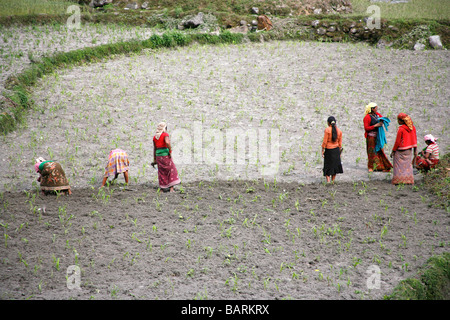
402 152
162 156
377 161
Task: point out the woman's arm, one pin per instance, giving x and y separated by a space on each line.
167 141
397 141
324 142
154 153
367 126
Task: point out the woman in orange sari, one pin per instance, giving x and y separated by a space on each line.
377 161
402 151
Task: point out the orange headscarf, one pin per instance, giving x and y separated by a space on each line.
406 119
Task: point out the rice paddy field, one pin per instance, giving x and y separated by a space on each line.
238 227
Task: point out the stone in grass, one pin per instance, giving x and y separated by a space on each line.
321 31
315 23
132 6
419 46
435 42
382 44
99 3
193 22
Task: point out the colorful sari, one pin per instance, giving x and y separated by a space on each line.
424 165
53 177
377 161
403 170
167 172
117 163
433 159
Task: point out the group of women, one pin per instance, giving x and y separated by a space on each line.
404 152
52 177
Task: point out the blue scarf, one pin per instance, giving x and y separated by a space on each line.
381 136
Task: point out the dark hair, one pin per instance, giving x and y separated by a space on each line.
332 121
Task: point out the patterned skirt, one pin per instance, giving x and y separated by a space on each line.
167 172
53 177
117 163
376 161
403 170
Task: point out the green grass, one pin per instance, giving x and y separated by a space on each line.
414 9
33 7
437 181
432 282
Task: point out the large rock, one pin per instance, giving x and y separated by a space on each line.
264 23
193 22
435 42
99 3
419 46
132 6
315 23
321 31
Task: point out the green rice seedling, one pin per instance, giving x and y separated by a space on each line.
114 290
404 240
56 262
133 236
384 231
209 251
190 273
149 245
189 243
135 257
6 239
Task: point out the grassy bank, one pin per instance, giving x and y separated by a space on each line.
437 182
431 283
